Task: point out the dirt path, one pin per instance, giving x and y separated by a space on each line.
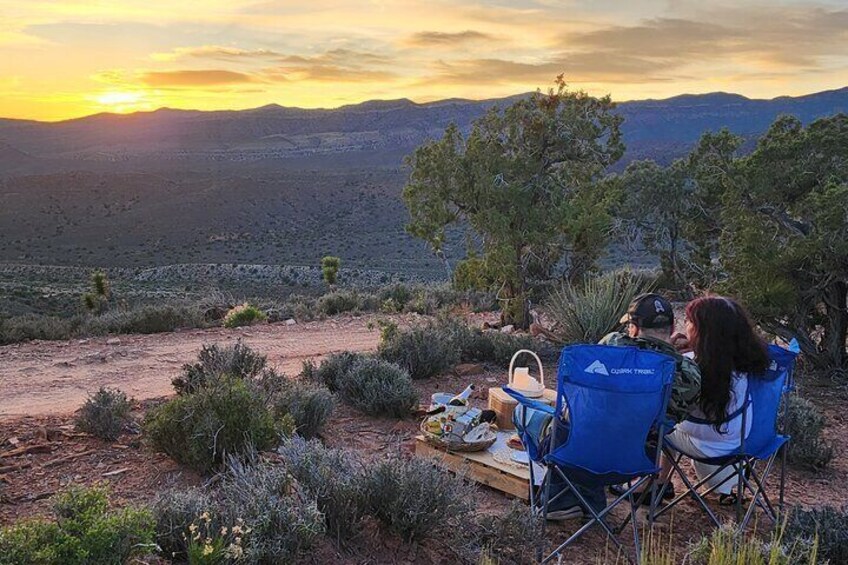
55 377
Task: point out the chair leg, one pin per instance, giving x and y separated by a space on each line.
636 544
691 490
783 450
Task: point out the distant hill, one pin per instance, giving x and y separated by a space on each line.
276 184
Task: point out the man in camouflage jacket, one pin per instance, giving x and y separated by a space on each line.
650 325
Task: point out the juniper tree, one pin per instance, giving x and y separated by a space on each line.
524 181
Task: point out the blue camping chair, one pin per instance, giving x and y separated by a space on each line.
762 444
609 402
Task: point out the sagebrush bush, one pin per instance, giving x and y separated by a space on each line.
85 532
309 405
335 479
244 315
475 345
173 511
238 360
104 414
30 326
145 319
805 424
283 520
226 417
825 526
339 302
416 498
332 368
511 536
378 388
423 351
586 312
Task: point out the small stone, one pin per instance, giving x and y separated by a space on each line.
465 369
508 329
113 341
291 322
82 342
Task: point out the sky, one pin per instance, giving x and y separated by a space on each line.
62 59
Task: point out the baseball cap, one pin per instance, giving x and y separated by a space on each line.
649 311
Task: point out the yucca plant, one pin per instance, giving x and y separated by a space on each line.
586 312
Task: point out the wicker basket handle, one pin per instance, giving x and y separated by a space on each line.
539 361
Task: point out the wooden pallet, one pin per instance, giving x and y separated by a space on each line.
481 467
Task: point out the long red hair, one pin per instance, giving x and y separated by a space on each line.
724 340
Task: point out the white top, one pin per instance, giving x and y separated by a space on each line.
714 443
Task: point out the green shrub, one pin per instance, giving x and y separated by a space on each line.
587 312
84 533
244 315
378 388
309 405
423 351
283 520
145 319
417 499
28 327
827 526
335 479
227 417
398 294
333 367
213 361
339 302
804 423
475 345
104 414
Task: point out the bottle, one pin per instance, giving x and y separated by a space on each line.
461 399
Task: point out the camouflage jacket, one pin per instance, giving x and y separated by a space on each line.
687 377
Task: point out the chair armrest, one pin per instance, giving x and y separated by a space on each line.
529 402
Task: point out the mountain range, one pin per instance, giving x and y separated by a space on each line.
277 185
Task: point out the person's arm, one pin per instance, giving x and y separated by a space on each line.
685 389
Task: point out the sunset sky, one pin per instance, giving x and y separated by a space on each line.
68 58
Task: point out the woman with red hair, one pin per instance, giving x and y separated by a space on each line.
729 352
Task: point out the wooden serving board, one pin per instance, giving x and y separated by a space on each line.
481 467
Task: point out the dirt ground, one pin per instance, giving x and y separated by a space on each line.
41 453
42 378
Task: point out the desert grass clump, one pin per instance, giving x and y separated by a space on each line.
417 498
244 315
331 369
335 479
586 312
509 537
309 405
84 532
378 388
229 416
804 423
104 414
213 361
826 527
726 546
422 351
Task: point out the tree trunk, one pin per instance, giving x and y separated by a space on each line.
836 328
